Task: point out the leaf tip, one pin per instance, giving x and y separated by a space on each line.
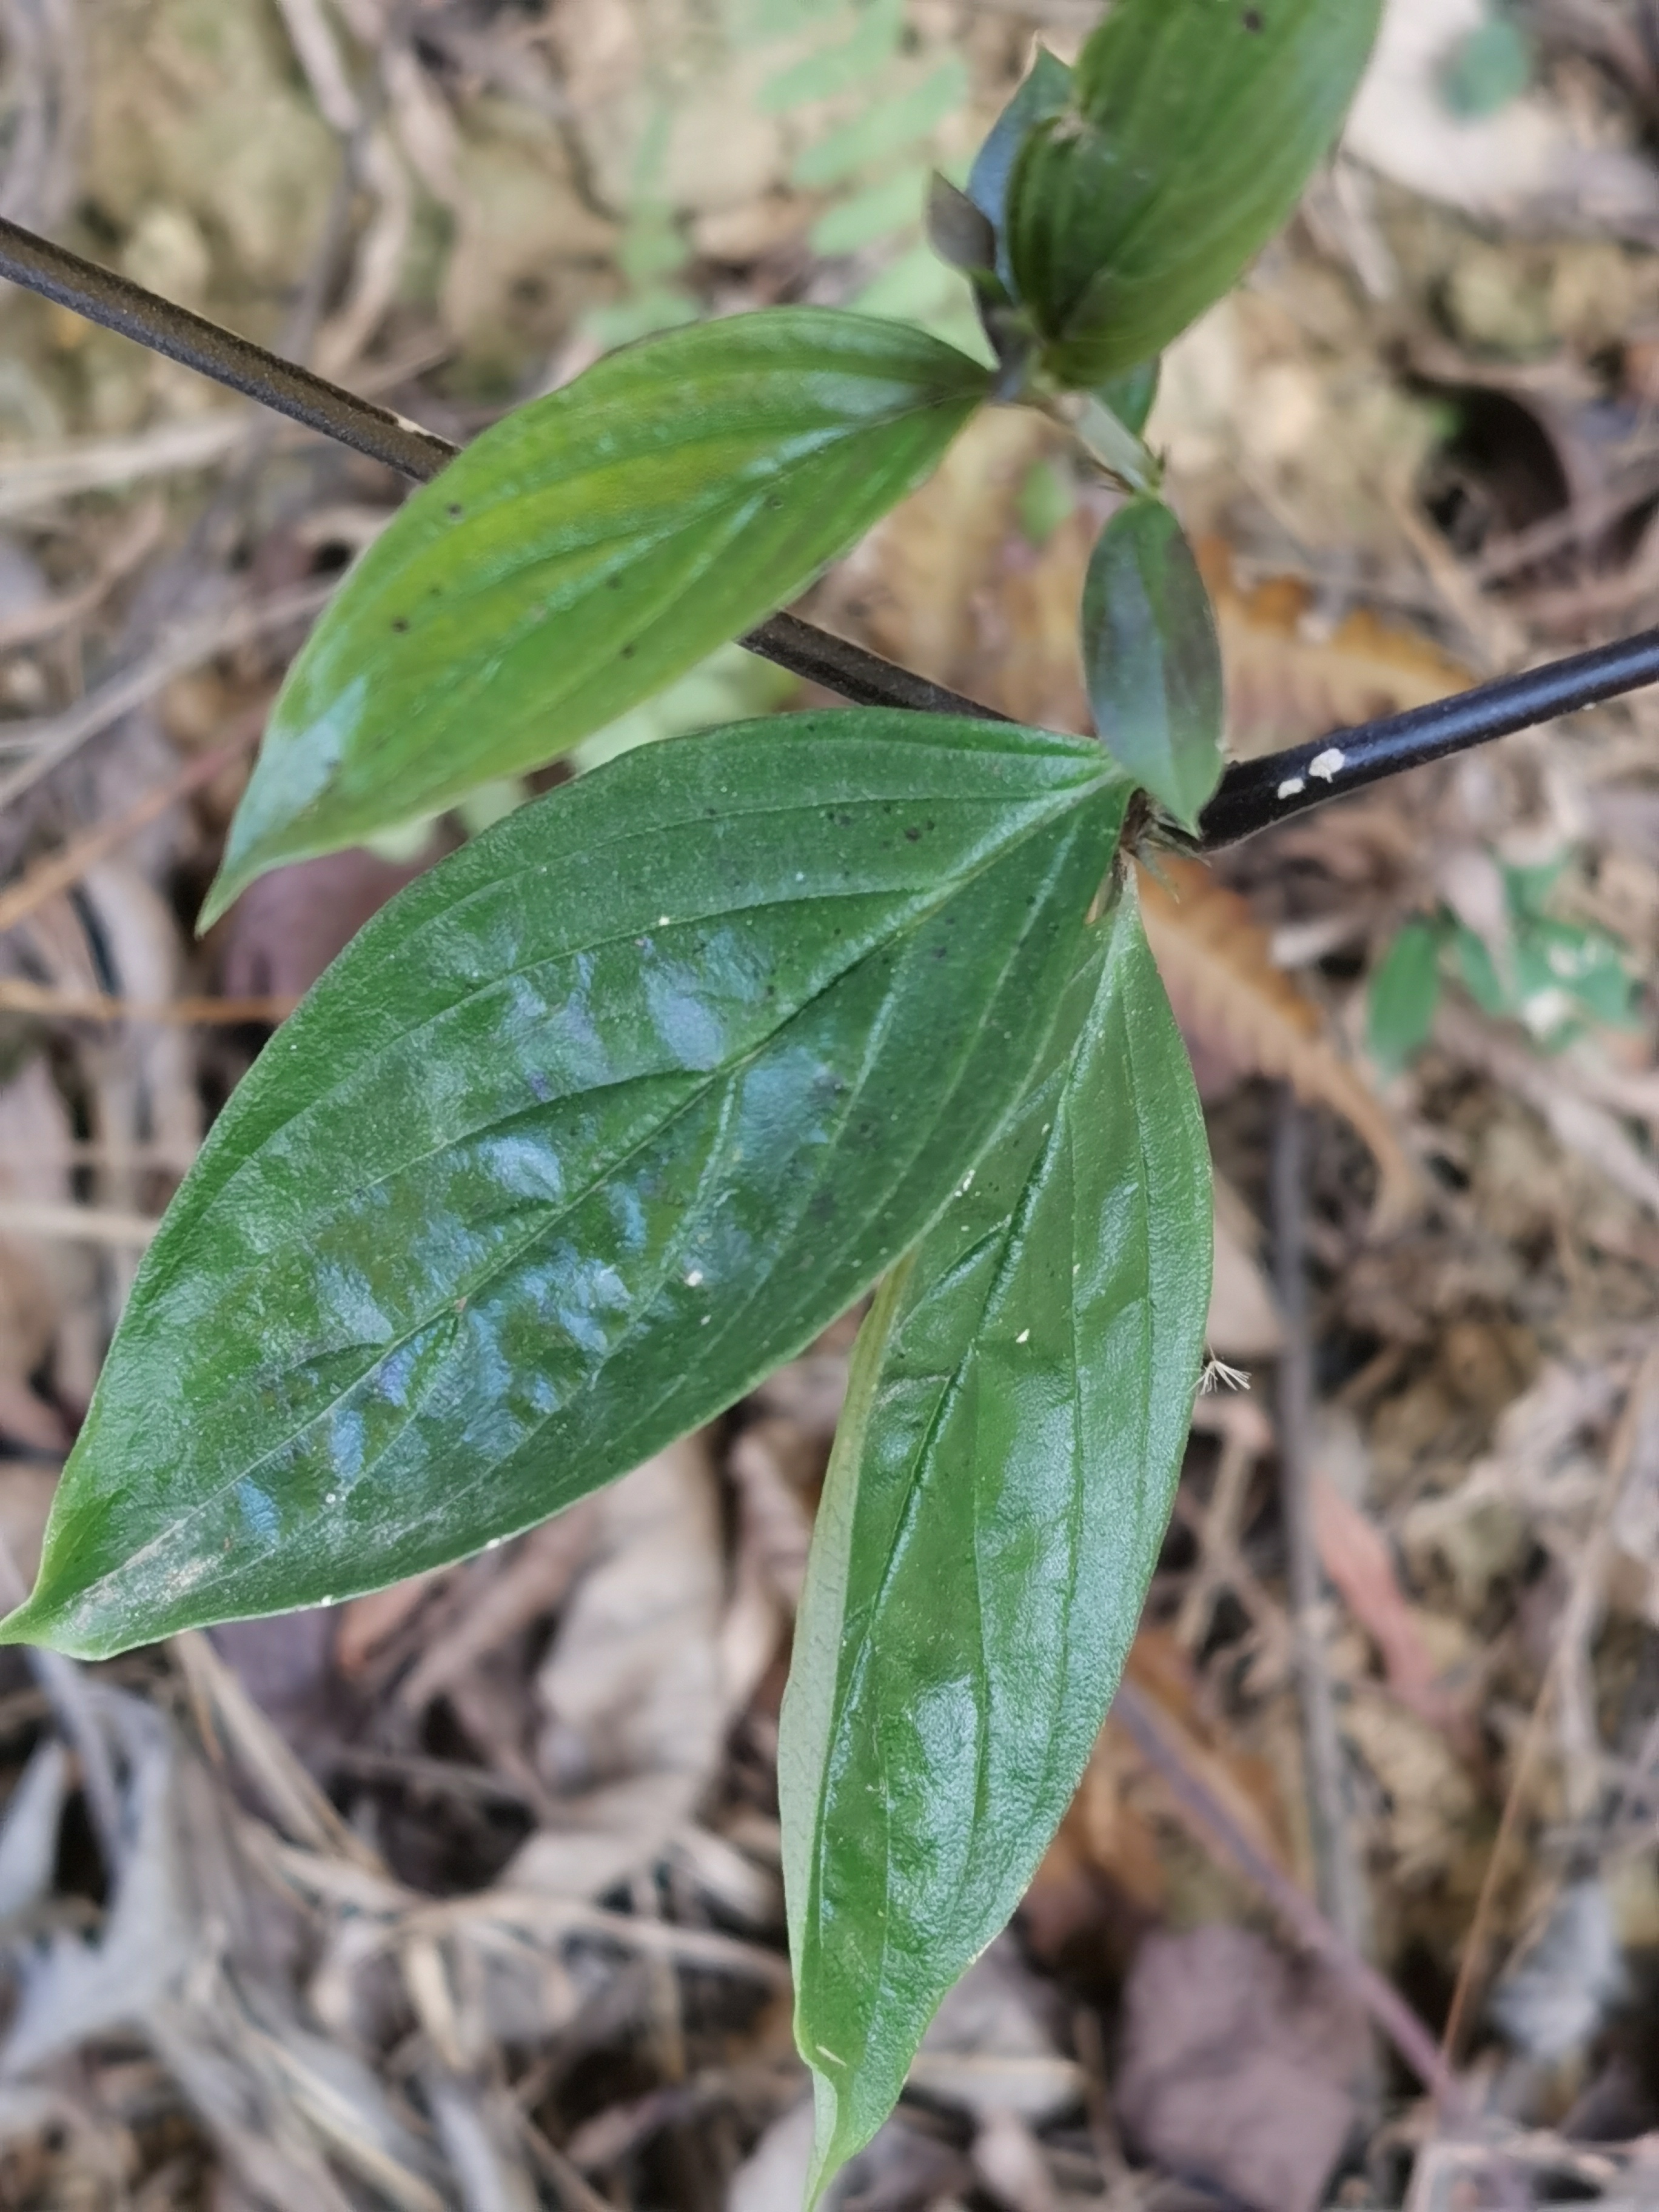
222 894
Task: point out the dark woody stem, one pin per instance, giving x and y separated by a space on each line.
1253 794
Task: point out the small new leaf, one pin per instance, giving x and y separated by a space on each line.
1042 93
1015 1418
1192 129
1151 659
591 1126
584 552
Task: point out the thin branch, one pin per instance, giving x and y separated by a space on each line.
103 297
1254 794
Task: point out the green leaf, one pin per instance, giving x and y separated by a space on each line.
1019 1406
1488 67
600 1119
874 214
1151 659
1405 995
1193 128
1132 396
1042 93
885 127
1047 500
584 552
1479 972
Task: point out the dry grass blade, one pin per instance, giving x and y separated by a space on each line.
42 478
89 1224
1218 967
228 1714
18 996
52 743
127 548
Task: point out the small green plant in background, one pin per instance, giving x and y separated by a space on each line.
621 1104
1553 975
1489 67
845 61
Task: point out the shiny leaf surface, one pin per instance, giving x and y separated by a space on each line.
1192 129
1018 1409
584 552
1151 659
596 1121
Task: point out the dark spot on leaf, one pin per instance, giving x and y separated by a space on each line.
400 622
913 836
613 583
774 500
1254 19
456 510
628 651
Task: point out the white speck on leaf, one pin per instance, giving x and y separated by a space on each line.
1025 1337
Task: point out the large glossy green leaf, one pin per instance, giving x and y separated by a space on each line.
583 553
1151 659
1192 129
1019 1402
589 1127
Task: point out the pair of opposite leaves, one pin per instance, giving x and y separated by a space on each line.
604 1117
623 1103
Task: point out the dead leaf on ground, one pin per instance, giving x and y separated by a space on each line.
1291 676
632 1695
990 2049
1216 965
286 928
1108 1875
1238 2066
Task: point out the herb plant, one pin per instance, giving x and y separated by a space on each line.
623 1102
